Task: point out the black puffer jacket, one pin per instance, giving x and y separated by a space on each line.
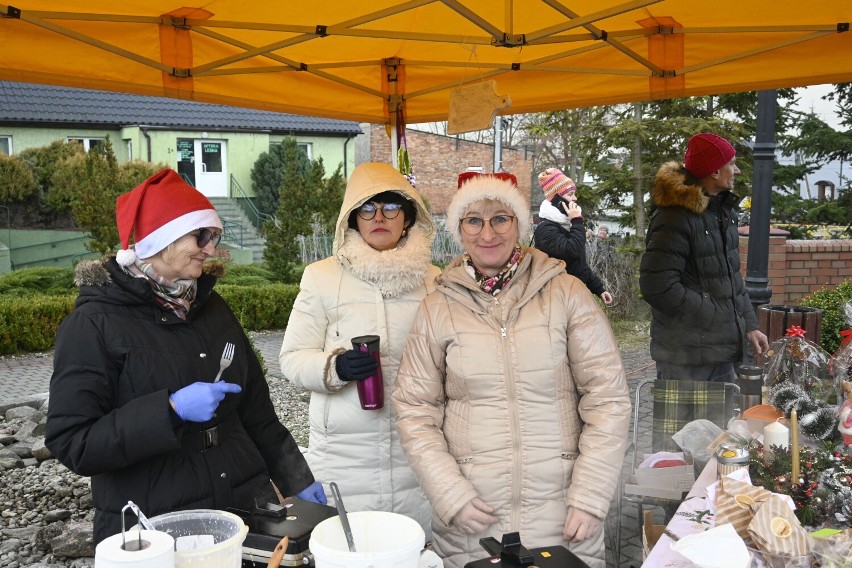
690 274
118 358
568 245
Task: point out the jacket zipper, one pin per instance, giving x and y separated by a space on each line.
515 517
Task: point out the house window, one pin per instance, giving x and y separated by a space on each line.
89 144
305 147
6 145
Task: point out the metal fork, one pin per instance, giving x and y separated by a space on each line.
227 357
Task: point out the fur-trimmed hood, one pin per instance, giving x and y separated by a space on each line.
370 179
671 189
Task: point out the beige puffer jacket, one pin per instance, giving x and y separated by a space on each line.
360 291
520 400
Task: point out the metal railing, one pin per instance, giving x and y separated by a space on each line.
232 232
317 246
257 217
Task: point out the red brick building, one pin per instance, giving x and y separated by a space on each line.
437 161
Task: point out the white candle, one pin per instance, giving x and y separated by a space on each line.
794 446
776 434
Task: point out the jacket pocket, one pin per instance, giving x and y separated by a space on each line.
466 466
568 461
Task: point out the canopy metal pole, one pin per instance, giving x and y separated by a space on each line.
498 143
757 265
394 136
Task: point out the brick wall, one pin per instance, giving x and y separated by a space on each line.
798 268
438 160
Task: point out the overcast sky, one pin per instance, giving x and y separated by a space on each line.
810 100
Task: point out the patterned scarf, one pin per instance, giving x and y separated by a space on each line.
494 284
176 297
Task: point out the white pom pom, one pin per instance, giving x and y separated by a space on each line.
125 257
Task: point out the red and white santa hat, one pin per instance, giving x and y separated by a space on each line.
157 212
475 186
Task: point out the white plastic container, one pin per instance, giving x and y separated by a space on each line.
204 537
382 540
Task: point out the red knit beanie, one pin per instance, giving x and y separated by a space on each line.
157 212
706 153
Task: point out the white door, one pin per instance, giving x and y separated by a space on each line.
211 172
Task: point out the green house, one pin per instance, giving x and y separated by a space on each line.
214 147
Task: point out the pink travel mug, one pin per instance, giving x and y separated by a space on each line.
371 391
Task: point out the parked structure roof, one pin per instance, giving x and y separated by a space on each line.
45 104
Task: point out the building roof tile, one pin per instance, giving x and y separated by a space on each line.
46 104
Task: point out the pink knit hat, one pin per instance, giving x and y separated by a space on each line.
706 153
157 212
553 182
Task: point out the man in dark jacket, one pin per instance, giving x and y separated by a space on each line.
690 272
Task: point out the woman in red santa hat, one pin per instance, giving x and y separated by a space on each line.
133 401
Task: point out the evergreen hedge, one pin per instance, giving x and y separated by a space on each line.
29 323
831 301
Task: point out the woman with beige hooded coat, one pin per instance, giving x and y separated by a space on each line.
511 399
378 273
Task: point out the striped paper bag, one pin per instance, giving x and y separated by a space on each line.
777 531
736 503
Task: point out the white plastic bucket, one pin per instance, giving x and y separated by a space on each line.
382 540
204 537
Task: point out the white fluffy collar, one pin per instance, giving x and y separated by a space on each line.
551 213
394 272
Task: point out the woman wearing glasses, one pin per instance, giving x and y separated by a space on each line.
511 400
378 273
133 402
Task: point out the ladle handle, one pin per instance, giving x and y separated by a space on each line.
341 511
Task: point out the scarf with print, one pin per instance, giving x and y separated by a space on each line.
494 284
175 297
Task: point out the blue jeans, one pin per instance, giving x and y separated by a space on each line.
720 372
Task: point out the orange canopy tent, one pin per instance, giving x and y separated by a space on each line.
384 60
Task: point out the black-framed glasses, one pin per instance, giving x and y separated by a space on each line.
205 236
500 224
389 210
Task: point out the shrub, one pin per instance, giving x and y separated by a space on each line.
831 301
260 307
30 324
39 280
16 180
43 162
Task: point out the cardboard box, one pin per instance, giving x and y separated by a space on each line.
644 491
676 478
651 533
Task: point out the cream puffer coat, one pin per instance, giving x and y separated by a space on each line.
518 399
360 291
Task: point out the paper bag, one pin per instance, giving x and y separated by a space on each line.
736 503
776 530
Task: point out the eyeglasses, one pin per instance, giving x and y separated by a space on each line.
389 210
500 224
205 236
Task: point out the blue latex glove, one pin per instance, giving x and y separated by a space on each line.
313 492
198 401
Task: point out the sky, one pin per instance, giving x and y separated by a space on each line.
810 100
833 171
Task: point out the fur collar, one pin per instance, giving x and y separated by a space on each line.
95 273
672 190
551 213
394 272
